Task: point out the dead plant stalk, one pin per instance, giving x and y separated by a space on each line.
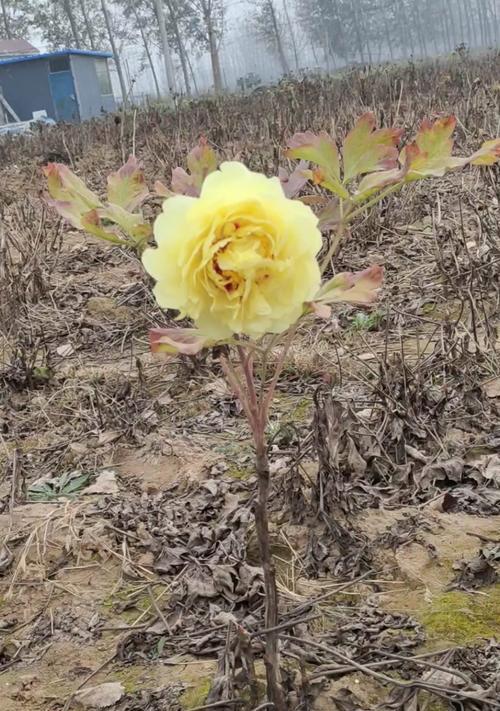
256 407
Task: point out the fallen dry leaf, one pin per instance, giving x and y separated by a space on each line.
104 484
65 350
492 387
100 697
108 436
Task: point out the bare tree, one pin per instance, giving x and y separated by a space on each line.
169 67
291 33
268 26
88 24
68 9
5 20
111 37
174 21
132 5
211 13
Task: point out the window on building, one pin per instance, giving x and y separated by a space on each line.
59 64
101 66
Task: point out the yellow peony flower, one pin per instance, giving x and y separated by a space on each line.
241 258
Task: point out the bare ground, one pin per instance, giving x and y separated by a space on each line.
144 571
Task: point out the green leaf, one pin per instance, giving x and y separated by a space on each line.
430 154
172 341
488 154
201 161
64 186
353 288
74 484
321 150
127 187
91 222
367 149
66 485
132 223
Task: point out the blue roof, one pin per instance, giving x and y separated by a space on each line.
50 55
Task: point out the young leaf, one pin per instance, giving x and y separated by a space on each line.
320 310
292 183
162 190
127 187
171 341
360 288
374 182
132 223
430 154
91 222
322 150
488 154
329 216
66 187
367 149
201 161
183 183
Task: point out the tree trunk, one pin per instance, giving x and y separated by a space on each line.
5 20
445 31
119 70
88 25
292 34
480 18
74 28
169 67
180 45
193 75
277 35
417 17
145 42
494 19
212 44
461 22
357 33
452 24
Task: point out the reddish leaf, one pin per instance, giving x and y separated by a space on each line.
292 183
320 309
374 182
322 150
127 187
187 341
162 190
132 223
367 149
360 288
64 186
183 183
91 222
329 217
430 154
488 154
202 161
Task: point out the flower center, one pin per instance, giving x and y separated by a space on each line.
245 255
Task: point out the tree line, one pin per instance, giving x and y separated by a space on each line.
332 32
337 32
176 28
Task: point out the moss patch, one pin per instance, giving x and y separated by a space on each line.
196 695
132 678
240 473
463 618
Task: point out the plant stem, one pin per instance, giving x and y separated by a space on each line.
271 659
257 413
366 206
